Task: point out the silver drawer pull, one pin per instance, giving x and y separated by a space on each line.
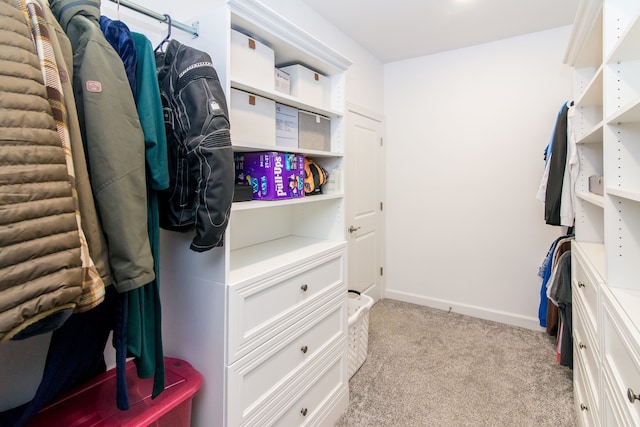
303 411
304 349
583 407
582 346
632 396
304 287
581 285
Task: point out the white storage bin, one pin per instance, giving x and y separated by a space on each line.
251 61
309 86
252 119
358 312
282 81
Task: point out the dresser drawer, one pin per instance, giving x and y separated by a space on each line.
584 401
260 310
611 413
309 408
621 364
254 378
585 287
585 349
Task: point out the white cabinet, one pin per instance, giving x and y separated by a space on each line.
605 52
264 318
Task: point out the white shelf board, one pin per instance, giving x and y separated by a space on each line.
594 135
624 193
627 47
592 96
253 262
630 113
283 98
242 146
594 199
262 204
595 254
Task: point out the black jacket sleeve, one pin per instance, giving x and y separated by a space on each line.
207 142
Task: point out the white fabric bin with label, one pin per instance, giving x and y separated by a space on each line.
309 86
252 119
252 62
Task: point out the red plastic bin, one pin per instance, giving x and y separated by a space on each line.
94 404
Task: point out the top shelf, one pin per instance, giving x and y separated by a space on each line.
289 42
253 262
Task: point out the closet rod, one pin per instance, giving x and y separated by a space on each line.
191 29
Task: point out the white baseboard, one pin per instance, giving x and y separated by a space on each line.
466 309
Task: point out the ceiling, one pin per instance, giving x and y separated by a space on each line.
393 30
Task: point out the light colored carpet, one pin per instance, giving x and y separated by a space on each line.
428 367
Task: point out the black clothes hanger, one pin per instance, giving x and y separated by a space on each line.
167 37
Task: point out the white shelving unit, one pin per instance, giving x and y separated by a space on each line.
605 52
264 318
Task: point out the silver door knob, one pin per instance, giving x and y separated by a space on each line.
353 229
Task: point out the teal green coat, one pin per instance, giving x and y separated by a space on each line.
144 335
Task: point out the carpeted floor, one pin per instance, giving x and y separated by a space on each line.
427 367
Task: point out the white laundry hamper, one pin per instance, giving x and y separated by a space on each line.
358 312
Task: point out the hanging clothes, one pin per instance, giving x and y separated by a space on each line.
561 246
144 332
557 165
119 36
544 272
113 140
41 268
93 291
201 164
560 293
570 177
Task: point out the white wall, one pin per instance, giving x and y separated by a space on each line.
466 130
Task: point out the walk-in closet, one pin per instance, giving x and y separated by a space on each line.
288 213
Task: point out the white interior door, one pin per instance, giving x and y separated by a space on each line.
364 191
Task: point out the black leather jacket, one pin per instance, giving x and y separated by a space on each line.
201 170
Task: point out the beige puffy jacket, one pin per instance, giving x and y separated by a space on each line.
40 267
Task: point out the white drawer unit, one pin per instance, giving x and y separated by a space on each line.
265 308
285 324
257 379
